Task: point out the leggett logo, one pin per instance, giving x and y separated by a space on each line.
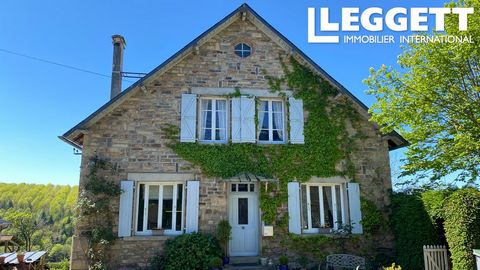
397 19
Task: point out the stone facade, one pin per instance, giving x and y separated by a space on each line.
132 138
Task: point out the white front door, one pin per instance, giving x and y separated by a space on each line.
243 217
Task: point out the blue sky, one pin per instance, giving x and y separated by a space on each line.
39 101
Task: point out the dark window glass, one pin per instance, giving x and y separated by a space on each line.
315 207
167 207
152 207
178 225
339 205
277 135
328 206
141 205
243 187
242 211
263 135
234 187
304 207
252 188
243 50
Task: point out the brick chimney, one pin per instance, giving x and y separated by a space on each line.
117 65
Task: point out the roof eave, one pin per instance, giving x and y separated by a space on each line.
70 142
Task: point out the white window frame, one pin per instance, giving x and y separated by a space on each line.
214 119
309 228
270 121
172 231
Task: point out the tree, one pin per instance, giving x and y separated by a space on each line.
433 99
24 226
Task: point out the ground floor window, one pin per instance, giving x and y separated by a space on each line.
160 206
323 207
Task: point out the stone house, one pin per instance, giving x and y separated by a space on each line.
192 90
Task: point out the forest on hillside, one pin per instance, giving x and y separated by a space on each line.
42 217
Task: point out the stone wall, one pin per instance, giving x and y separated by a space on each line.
132 138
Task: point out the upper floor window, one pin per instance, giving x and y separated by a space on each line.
213 120
160 206
271 119
322 207
243 50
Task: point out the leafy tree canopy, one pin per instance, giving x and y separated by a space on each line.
433 99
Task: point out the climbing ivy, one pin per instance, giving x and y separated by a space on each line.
95 214
326 142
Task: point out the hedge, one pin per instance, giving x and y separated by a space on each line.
412 228
462 226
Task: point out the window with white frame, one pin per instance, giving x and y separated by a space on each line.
160 206
322 207
213 120
271 121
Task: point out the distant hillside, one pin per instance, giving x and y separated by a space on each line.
48 210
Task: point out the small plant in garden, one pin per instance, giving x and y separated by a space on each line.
303 262
224 234
216 263
393 267
343 229
191 251
283 260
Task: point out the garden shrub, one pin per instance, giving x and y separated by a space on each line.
412 228
63 265
462 226
191 251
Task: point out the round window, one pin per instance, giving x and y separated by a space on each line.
243 50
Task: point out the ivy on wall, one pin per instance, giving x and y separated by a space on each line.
95 217
326 143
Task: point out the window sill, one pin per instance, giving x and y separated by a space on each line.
148 237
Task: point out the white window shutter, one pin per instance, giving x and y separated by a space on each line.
296 121
236 120
247 108
294 221
193 196
354 206
188 124
125 209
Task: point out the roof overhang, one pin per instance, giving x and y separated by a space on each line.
75 135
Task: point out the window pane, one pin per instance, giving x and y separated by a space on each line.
206 131
252 188
264 106
277 106
208 120
304 208
234 187
315 207
152 207
277 135
221 120
242 211
263 136
141 205
277 121
327 206
339 205
243 187
178 226
263 120
207 134
167 207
